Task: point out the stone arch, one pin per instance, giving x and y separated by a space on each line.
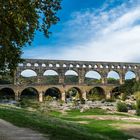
28 76
113 77
77 66
64 65
28 73
92 76
50 65
7 94
57 65
130 75
53 92
36 65
71 65
43 65
71 77
73 93
50 77
116 93
96 93
28 64
29 93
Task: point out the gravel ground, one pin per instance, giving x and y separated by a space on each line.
10 132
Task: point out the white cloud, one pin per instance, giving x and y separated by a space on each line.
101 35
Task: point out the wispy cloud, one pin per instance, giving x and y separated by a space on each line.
107 34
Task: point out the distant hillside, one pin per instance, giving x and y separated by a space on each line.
69 79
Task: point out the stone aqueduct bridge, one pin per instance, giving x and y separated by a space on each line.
80 67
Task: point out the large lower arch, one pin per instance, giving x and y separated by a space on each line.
29 93
52 92
92 77
71 77
50 77
116 93
73 93
7 94
96 93
113 77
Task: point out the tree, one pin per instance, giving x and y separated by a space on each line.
19 19
112 80
127 87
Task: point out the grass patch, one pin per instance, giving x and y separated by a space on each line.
76 112
95 111
61 127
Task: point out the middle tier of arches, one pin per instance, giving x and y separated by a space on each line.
76 76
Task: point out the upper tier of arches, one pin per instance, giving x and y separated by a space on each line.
77 64
81 70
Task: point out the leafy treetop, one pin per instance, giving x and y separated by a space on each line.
19 19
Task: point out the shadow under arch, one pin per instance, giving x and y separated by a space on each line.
113 77
50 77
71 77
74 93
54 93
92 77
116 93
7 94
28 76
96 93
29 93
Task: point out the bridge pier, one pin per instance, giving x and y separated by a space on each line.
122 78
107 91
81 80
61 75
104 80
61 79
108 95
63 96
81 75
84 95
137 78
41 97
17 96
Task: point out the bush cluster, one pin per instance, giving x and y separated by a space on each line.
122 107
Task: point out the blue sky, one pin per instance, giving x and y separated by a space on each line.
95 30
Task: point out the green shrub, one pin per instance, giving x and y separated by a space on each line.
61 102
82 101
133 106
124 96
48 98
29 103
95 97
110 100
137 95
122 107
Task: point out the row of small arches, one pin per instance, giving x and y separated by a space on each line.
78 66
90 74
